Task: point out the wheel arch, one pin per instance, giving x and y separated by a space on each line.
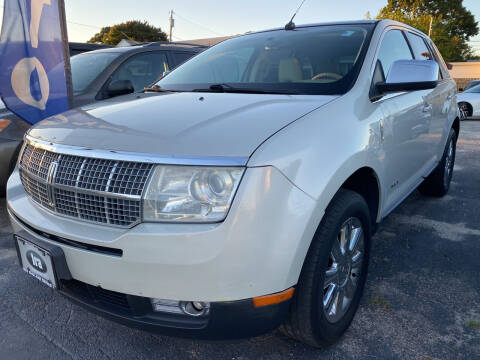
365 182
456 126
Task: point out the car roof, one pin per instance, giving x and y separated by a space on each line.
384 22
185 47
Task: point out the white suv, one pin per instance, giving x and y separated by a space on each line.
241 191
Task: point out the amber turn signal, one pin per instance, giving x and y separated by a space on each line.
274 298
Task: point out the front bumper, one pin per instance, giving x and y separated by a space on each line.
220 320
258 250
225 320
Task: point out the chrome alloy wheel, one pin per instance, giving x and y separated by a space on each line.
343 270
449 160
464 111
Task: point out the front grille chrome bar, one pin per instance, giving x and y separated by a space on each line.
138 157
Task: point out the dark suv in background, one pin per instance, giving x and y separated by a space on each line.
99 75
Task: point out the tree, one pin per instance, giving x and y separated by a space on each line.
453 24
136 30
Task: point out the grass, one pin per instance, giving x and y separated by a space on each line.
474 324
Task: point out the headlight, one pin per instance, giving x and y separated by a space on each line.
190 193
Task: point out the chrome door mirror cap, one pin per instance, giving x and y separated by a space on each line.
409 75
408 71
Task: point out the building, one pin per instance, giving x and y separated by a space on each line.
209 41
464 72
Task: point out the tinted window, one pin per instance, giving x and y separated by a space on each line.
181 57
440 61
471 84
142 70
310 60
394 47
419 48
86 68
475 89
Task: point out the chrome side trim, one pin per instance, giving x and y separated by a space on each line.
137 157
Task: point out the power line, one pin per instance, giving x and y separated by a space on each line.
90 26
197 24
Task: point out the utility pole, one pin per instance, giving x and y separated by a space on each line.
430 28
172 24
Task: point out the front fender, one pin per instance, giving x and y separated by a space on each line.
319 152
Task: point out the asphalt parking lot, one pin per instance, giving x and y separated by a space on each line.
422 299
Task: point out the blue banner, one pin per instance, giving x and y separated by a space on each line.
34 66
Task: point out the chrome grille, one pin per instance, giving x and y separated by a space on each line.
94 190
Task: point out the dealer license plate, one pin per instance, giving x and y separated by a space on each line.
36 262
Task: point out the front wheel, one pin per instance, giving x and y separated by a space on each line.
334 273
438 182
465 110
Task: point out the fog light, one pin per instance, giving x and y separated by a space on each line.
192 308
196 308
197 305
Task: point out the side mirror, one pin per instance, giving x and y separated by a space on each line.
120 87
410 75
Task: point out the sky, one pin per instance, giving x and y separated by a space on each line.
196 19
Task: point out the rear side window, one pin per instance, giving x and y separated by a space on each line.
142 70
440 61
394 47
419 48
181 57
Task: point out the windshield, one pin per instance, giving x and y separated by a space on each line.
310 60
475 89
87 66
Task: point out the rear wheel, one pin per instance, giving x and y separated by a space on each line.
334 273
438 182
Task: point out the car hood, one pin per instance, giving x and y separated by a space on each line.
467 96
179 124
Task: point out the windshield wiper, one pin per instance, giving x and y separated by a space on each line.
156 88
226 88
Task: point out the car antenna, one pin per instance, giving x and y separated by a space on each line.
291 24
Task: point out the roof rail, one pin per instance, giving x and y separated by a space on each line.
168 43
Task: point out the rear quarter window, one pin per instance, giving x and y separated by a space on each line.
440 61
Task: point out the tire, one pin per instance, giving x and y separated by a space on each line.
308 320
438 182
